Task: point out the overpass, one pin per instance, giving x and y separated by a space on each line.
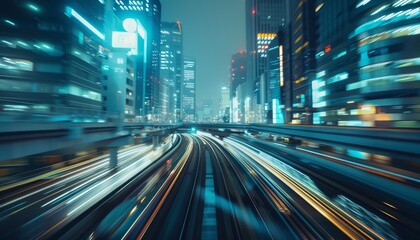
20 139
404 141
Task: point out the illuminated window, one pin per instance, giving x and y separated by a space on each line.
400 3
297 29
339 55
301 79
384 81
301 47
300 3
320 74
16 64
394 33
380 9
388 19
339 77
319 7
298 38
362 3
298 17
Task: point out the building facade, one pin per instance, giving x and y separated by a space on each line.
368 70
119 85
148 12
278 79
303 37
224 109
188 90
51 55
171 70
264 18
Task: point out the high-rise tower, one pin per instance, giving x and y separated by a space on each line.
171 71
188 90
303 59
148 12
264 18
367 63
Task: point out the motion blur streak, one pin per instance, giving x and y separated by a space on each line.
91 165
173 176
54 203
378 171
339 217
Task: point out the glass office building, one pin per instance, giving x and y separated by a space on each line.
50 57
368 63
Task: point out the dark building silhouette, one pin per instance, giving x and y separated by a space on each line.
303 36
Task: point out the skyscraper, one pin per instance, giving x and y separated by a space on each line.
264 18
238 94
303 59
278 78
50 57
188 90
148 12
368 70
171 70
224 108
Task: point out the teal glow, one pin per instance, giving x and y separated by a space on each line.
142 32
362 3
22 43
33 7
320 74
71 12
7 42
130 25
338 77
387 19
10 22
340 55
320 54
380 9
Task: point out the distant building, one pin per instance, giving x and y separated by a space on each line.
171 70
208 115
224 103
50 57
238 94
188 90
368 64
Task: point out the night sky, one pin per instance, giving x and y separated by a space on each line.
213 31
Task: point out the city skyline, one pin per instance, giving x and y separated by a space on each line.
185 119
211 37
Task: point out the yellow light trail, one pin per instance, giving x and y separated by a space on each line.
339 217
